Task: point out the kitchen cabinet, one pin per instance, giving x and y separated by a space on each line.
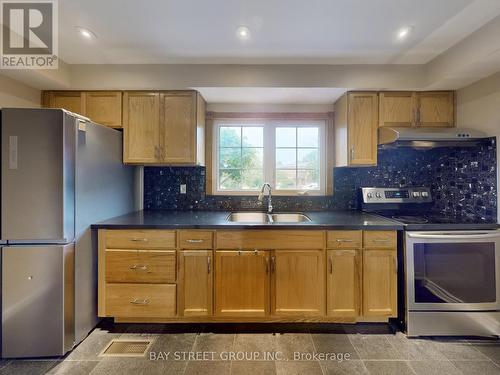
398 109
343 283
69 100
417 109
103 107
141 127
356 124
195 282
164 128
242 283
379 283
298 283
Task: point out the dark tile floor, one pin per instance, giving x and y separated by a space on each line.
352 349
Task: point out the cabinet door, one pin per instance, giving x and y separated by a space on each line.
379 283
241 283
298 279
178 121
436 109
141 127
104 107
343 285
195 282
397 109
69 100
362 124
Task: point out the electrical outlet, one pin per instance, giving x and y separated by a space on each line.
183 188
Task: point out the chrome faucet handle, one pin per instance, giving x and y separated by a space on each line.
260 198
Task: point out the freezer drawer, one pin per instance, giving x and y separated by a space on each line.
37 300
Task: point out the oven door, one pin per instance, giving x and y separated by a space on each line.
453 271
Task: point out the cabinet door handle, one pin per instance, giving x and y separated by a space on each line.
330 264
194 241
344 240
395 264
383 240
139 240
209 266
352 153
418 116
273 264
136 301
267 265
138 267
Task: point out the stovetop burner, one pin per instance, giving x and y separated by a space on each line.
410 219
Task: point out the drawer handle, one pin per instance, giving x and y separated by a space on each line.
139 240
194 241
344 240
138 267
209 265
136 301
381 240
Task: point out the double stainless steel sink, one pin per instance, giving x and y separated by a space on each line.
264 218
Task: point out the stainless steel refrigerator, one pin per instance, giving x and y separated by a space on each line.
59 174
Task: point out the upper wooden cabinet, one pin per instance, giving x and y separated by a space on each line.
356 123
417 109
70 100
164 128
102 107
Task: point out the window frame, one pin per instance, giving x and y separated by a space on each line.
269 154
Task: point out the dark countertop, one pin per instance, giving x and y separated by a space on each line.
159 219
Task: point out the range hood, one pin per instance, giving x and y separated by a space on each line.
428 137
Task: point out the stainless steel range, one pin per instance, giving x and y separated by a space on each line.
452 265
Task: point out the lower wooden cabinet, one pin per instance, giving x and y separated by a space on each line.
343 283
195 282
242 283
379 283
298 283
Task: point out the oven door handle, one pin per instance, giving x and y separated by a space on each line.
451 236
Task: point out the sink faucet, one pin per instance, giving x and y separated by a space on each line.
270 192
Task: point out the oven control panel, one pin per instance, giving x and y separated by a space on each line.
396 195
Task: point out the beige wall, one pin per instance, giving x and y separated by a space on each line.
16 94
478 107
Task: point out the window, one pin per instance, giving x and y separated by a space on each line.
288 154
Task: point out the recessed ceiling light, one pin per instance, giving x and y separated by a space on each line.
404 32
243 33
86 33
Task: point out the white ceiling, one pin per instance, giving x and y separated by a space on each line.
282 31
270 95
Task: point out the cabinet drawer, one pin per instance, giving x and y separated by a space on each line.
140 239
140 300
344 239
196 239
270 239
140 266
383 239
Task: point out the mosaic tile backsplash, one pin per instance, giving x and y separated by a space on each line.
463 182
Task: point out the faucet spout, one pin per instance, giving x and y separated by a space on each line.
270 198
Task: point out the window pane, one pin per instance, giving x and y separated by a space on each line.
230 158
230 136
253 136
253 158
286 158
307 137
229 179
285 179
286 137
252 179
307 180
307 158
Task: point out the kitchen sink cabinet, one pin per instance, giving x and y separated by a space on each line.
202 275
195 282
298 283
242 283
